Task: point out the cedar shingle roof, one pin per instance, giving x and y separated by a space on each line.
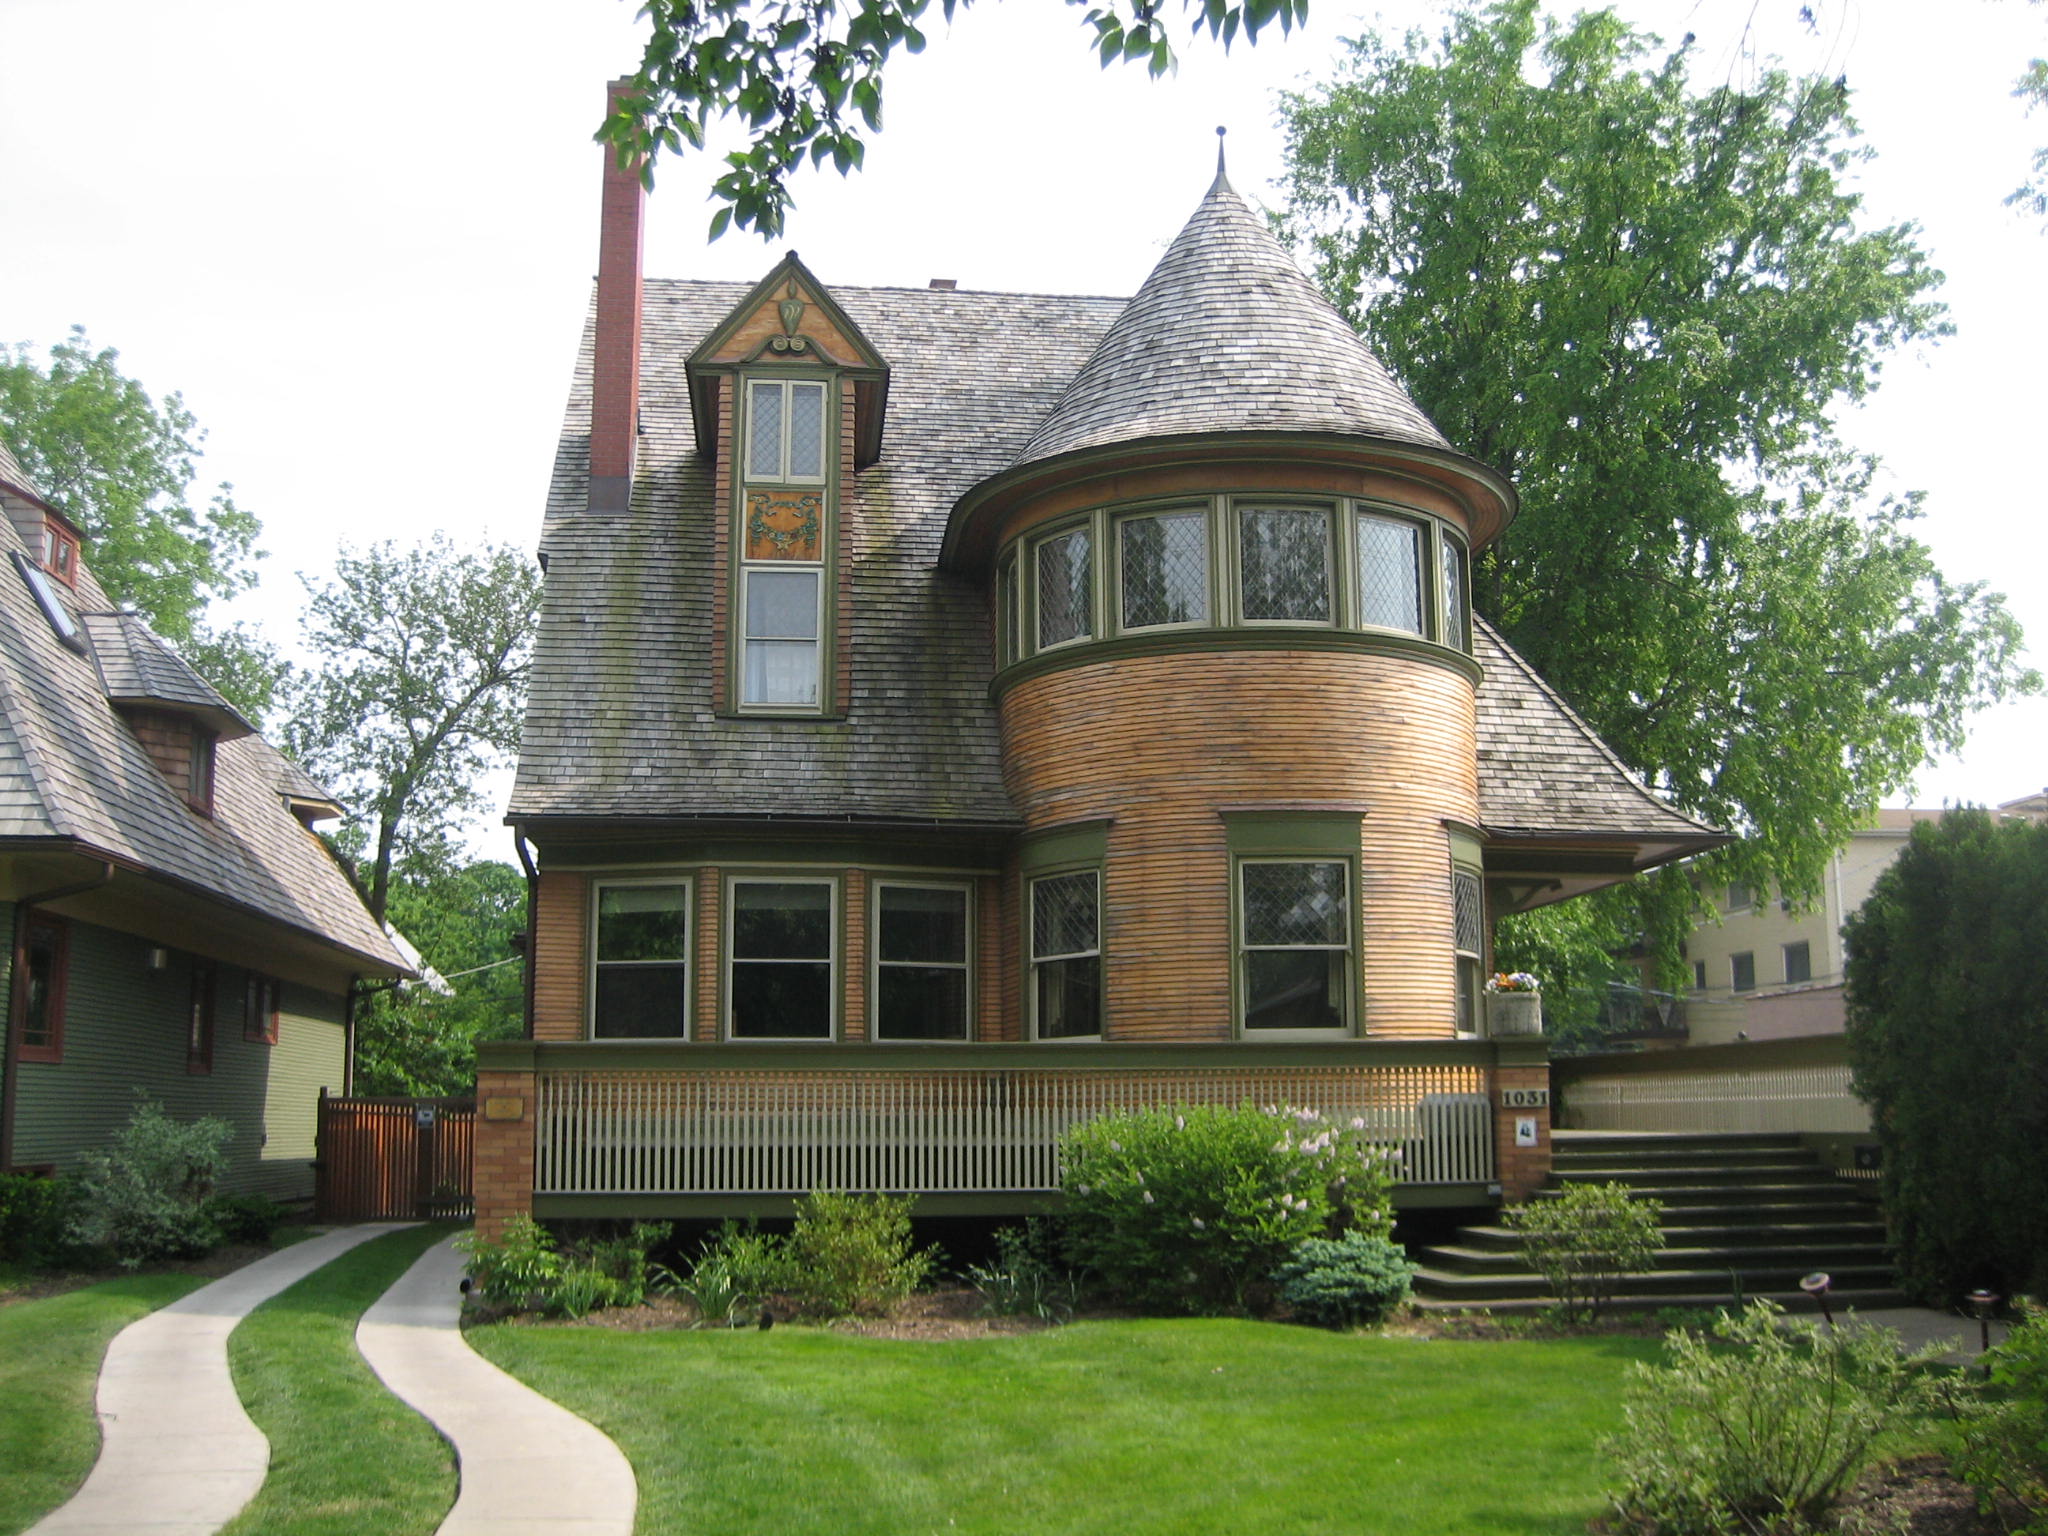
137 667
71 769
1228 335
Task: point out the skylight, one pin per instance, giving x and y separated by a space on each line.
47 600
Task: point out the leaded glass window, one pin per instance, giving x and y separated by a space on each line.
1066 587
920 962
1389 573
1284 563
1456 620
1006 611
641 957
1295 923
786 429
1066 956
1469 941
780 657
779 977
1165 558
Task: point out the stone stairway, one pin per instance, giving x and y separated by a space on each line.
1744 1216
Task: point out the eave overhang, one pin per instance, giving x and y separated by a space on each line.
1528 867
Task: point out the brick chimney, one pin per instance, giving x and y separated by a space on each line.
615 376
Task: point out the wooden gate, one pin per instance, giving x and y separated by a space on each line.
395 1159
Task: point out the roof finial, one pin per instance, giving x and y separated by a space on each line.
1222 178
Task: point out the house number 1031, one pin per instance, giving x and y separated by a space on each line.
1525 1098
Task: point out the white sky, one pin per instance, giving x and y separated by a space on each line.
359 240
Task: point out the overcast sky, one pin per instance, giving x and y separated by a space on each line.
359 238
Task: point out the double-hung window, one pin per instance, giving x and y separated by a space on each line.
782 572
1390 573
921 961
1798 962
1066 956
780 953
1742 971
1283 564
1294 934
641 962
1163 559
259 1009
1468 919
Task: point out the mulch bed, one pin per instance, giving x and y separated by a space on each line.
222 1261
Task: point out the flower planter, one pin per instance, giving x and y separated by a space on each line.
1514 1013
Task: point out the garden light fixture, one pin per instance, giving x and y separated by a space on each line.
1816 1286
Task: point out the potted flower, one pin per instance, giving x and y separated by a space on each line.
1514 1004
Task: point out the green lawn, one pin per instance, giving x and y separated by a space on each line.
49 1364
346 1457
1116 1428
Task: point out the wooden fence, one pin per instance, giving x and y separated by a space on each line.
1781 1086
394 1159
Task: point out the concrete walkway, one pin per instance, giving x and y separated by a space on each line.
529 1467
178 1456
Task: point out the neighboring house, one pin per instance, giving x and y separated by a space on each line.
1766 970
957 713
174 927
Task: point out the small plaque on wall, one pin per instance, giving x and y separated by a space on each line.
505 1107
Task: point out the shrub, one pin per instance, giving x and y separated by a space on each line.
517 1271
1761 1426
1584 1240
852 1254
35 1218
1187 1209
145 1196
1342 1282
1023 1281
526 1271
246 1218
2004 1451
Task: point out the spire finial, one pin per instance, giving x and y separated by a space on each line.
1219 149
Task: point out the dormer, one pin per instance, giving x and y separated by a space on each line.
175 714
52 538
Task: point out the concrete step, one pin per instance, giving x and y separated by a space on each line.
1591 1159
1701 1175
1483 1289
1796 1303
1824 1234
1805 1259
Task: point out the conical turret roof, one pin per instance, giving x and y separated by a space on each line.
1228 335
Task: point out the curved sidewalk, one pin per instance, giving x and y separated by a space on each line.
178 1456
529 1467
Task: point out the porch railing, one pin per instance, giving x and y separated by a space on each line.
939 1130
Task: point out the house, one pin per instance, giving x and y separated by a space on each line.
1765 970
956 713
174 926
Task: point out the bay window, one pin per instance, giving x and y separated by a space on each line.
1065 587
1284 563
1163 560
780 958
1389 573
1294 940
921 961
641 962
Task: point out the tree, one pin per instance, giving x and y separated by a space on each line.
121 467
1947 986
417 1040
806 78
1645 303
423 659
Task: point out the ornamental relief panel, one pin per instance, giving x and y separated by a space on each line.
785 525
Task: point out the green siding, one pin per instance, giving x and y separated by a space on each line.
124 1034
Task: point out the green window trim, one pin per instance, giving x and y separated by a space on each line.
897 978
777 668
1295 946
636 974
1267 836
772 988
1063 955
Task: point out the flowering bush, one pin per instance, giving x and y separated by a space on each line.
1513 981
1186 1209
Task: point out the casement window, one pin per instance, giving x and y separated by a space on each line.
1283 564
1457 608
42 969
199 1017
780 662
1066 956
640 962
1468 921
1163 563
1798 962
786 431
60 553
1294 945
1009 643
1390 567
780 958
1742 972
921 961
260 1009
1064 568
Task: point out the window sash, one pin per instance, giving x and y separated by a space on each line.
260 1009
922 988
782 652
1066 958
787 430
640 960
1064 566
44 978
1282 969
199 1018
1283 564
788 995
1156 588
1390 567
1798 962
1457 610
1742 972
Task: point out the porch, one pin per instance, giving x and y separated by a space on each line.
615 1129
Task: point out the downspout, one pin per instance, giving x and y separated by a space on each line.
17 1000
532 918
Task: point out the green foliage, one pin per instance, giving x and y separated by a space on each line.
853 1254
805 76
526 1270
415 1040
1948 1037
1760 1427
121 467
1024 1281
1344 1281
2004 1451
418 692
146 1196
1187 1209
35 1218
1647 302
1583 1240
246 1218
1572 945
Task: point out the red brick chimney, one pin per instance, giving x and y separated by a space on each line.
615 378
